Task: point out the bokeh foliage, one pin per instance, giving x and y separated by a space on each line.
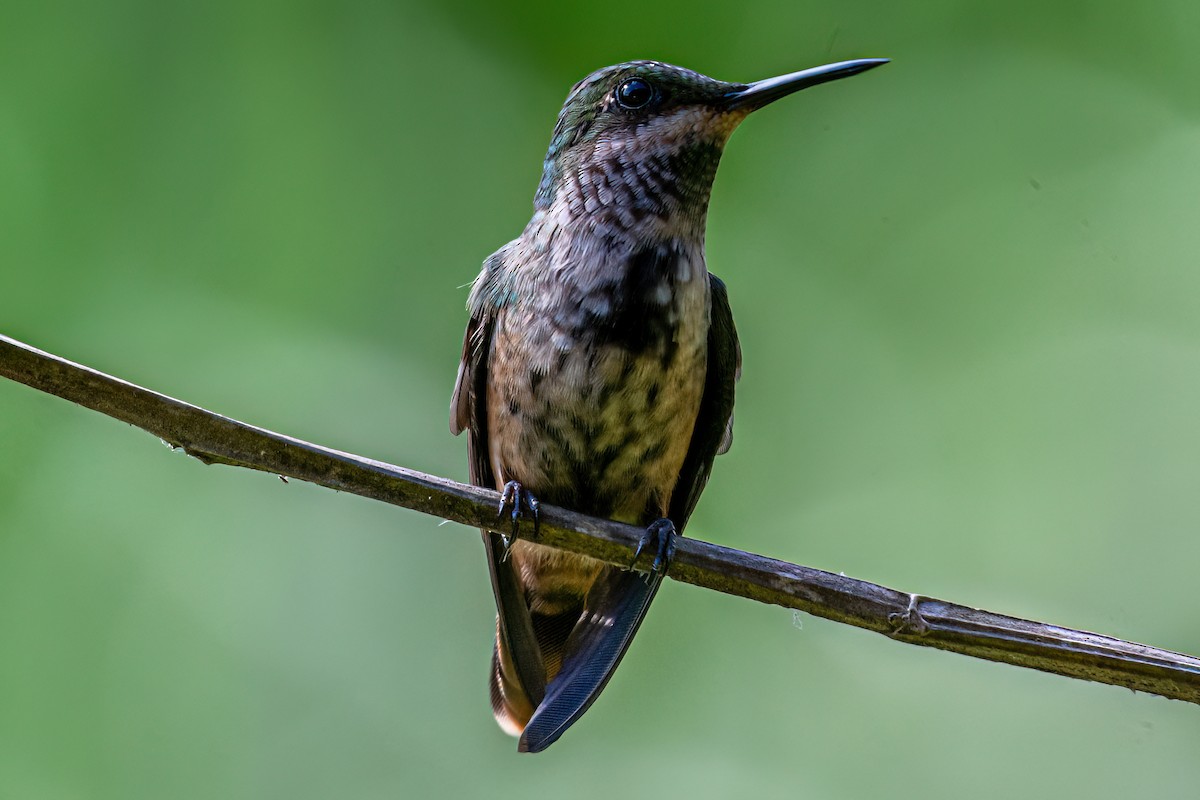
968 295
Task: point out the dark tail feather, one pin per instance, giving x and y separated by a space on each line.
511 702
615 609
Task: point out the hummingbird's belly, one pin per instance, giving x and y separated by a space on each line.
598 428
604 431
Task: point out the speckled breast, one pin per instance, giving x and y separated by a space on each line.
595 389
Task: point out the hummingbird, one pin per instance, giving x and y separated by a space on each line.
598 371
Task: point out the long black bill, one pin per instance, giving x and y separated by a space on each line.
759 93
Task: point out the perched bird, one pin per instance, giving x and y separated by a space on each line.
598 370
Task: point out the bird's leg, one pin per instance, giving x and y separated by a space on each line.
521 500
661 535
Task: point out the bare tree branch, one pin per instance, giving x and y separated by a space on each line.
909 618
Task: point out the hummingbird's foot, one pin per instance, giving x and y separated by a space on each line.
660 534
910 620
521 500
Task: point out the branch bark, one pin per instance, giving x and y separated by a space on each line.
915 619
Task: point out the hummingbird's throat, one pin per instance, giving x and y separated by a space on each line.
662 168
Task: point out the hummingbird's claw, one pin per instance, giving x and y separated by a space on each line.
661 535
521 500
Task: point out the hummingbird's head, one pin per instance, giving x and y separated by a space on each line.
645 137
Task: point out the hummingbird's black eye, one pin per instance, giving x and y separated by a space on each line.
635 93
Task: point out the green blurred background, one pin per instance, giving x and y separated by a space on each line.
969 301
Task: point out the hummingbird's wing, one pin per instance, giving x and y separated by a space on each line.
619 599
518 674
713 433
